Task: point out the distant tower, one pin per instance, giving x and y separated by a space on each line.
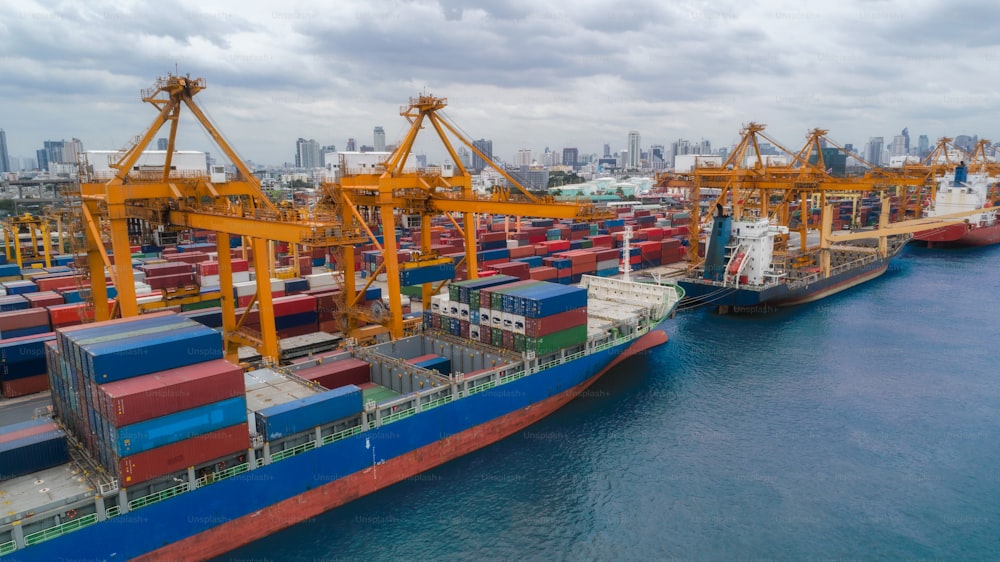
486 147
570 156
352 145
379 139
161 144
906 137
923 145
633 151
874 153
607 150
307 154
4 157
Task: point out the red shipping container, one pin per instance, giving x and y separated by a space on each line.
207 268
336 374
420 358
25 386
44 298
170 281
329 326
602 241
295 304
580 269
26 318
521 252
137 399
158 269
542 273
538 327
653 233
176 457
27 432
56 283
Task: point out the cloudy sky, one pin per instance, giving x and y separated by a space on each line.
525 73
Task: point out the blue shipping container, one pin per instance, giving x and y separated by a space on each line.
33 453
164 430
309 412
119 360
440 364
427 274
373 294
211 317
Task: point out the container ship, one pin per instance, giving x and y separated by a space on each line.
159 448
743 273
960 191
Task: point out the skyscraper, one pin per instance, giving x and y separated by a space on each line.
161 144
379 139
906 136
569 156
923 146
307 153
899 145
486 147
607 150
4 157
874 153
633 151
352 145
523 157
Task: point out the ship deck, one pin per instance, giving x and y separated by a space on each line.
42 491
377 392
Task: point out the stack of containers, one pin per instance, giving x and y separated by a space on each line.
634 257
581 262
607 261
295 315
306 413
208 272
44 298
671 251
650 252
172 403
9 272
24 365
19 287
168 275
533 315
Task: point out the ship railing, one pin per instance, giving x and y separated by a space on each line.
60 530
155 497
344 434
7 547
296 450
113 511
222 474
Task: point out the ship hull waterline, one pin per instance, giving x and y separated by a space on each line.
959 235
749 300
232 513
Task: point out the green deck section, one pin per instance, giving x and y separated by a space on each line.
379 394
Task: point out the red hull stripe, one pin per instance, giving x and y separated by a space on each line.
244 530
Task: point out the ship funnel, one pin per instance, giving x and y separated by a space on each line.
961 174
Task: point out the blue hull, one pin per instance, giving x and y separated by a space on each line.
186 515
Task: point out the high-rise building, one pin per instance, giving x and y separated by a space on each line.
464 158
874 153
906 137
607 150
898 145
307 153
379 139
570 156
923 146
523 157
161 144
633 151
965 142
352 145
4 157
486 147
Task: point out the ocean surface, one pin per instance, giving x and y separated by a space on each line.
864 426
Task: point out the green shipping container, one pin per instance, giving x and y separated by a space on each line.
200 305
593 230
557 340
496 337
519 341
586 243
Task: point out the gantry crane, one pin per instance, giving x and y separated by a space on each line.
748 181
223 203
35 229
393 188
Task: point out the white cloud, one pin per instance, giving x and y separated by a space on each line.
527 74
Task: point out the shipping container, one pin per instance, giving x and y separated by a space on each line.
177 457
116 360
32 453
28 428
141 398
557 340
538 327
306 413
435 362
25 385
157 432
336 374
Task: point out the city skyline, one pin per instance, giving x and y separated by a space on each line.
276 74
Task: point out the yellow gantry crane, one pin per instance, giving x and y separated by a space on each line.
393 188
36 248
752 183
224 203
